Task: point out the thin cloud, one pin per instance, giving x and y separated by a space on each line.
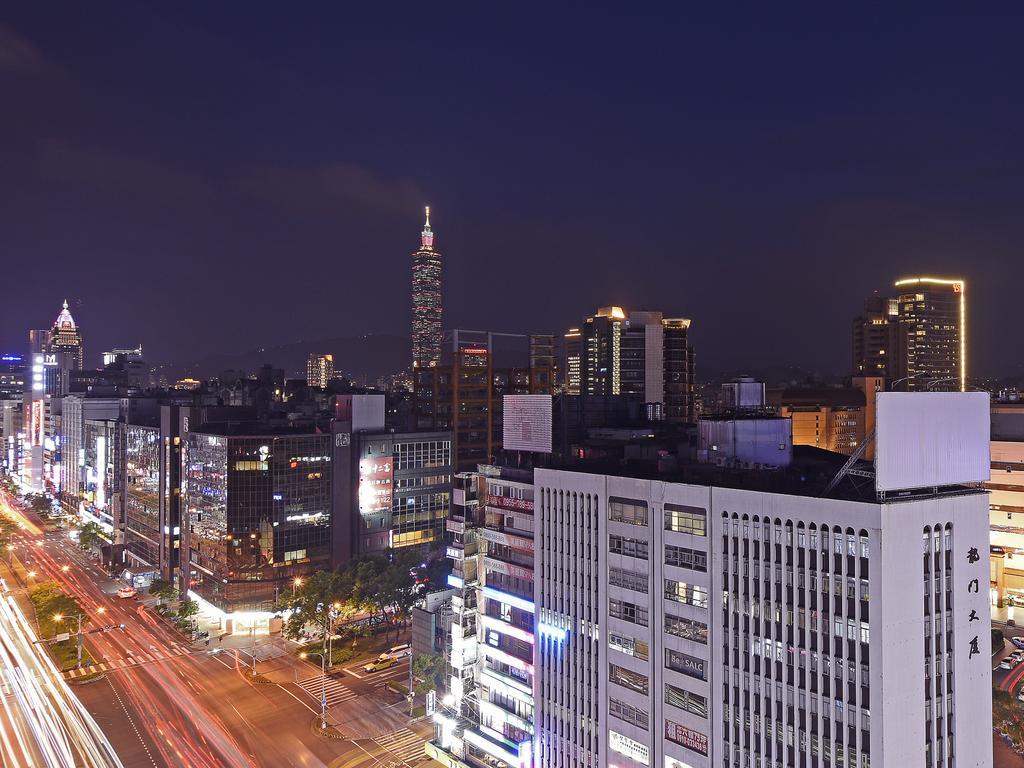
19 56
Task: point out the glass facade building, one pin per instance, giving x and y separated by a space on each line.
142 494
259 511
404 489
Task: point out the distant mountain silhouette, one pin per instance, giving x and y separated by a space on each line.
770 375
364 358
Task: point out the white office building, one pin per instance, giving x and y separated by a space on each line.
739 618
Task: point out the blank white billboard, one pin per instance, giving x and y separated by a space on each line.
925 439
526 423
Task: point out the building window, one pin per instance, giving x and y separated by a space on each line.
620 577
627 511
686 628
680 519
681 557
629 646
688 594
688 701
623 545
627 678
635 614
628 713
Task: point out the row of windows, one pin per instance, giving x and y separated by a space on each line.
625 511
630 646
619 609
628 713
627 678
624 545
681 557
850 543
688 629
688 701
688 594
620 577
680 519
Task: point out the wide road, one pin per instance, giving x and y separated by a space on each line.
161 702
41 721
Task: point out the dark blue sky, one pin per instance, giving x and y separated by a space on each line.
203 177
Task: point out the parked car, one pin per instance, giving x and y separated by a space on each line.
1008 663
379 664
126 592
1018 655
1020 695
1017 641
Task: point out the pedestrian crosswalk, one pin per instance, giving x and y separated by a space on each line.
335 692
404 744
132 660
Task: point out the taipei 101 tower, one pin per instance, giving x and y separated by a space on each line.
426 301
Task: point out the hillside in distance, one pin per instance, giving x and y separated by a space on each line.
363 358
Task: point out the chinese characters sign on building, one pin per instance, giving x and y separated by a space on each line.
376 483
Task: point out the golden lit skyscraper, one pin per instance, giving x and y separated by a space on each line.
426 301
66 337
931 338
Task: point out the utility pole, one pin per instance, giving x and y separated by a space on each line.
323 686
79 664
412 696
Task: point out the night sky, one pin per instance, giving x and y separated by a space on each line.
208 177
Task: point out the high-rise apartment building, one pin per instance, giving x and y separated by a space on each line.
874 338
931 341
426 301
494 635
464 396
916 339
711 617
319 370
573 361
634 353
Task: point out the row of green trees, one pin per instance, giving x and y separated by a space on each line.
91 536
50 602
374 587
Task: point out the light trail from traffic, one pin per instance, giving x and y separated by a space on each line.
50 726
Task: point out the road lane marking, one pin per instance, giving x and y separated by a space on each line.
404 743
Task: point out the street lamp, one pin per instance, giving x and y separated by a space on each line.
323 686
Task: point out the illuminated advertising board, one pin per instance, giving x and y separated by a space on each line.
686 737
376 484
37 425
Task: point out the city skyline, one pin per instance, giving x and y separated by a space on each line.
746 183
687 440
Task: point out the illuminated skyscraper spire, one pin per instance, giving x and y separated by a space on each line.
426 301
427 236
